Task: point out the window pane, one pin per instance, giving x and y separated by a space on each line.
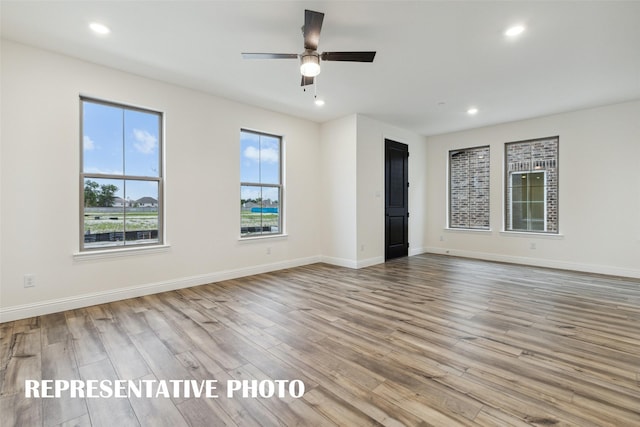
260 210
142 140
103 212
536 185
141 221
249 157
518 189
250 209
271 209
269 160
519 216
102 147
536 210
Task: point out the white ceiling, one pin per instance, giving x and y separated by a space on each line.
435 59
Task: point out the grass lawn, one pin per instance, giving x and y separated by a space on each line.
100 222
256 219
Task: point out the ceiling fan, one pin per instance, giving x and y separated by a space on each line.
310 58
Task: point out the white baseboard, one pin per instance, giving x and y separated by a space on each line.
340 262
538 262
370 261
416 251
61 304
355 264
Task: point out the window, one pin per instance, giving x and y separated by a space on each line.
260 184
121 176
469 188
532 185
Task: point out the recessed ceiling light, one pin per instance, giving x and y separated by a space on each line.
514 31
471 111
319 102
99 28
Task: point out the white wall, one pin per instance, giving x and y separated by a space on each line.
353 174
599 193
40 187
338 216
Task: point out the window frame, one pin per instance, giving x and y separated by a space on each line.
450 188
535 166
528 201
279 187
160 241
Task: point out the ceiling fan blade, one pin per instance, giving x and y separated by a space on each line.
306 81
311 30
269 55
348 56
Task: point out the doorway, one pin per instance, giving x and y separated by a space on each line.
396 199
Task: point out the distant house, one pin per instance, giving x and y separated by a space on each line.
119 202
147 202
268 203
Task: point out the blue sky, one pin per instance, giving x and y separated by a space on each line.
117 141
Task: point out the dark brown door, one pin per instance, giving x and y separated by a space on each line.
396 199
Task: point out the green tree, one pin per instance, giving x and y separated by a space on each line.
107 196
91 193
99 195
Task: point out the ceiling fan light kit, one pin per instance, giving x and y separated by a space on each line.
310 63
310 58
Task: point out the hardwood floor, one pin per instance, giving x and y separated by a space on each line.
425 340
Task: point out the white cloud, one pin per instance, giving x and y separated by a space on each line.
103 171
269 155
88 144
145 142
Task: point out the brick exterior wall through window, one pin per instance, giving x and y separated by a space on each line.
469 188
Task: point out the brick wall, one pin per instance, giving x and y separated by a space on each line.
469 188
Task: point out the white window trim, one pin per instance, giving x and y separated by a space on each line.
120 251
281 192
124 250
468 230
532 234
263 237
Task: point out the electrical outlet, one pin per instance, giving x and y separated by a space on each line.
29 280
269 251
532 245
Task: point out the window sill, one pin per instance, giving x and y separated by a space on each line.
469 230
257 238
532 234
120 252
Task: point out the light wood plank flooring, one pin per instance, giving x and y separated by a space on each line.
425 340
